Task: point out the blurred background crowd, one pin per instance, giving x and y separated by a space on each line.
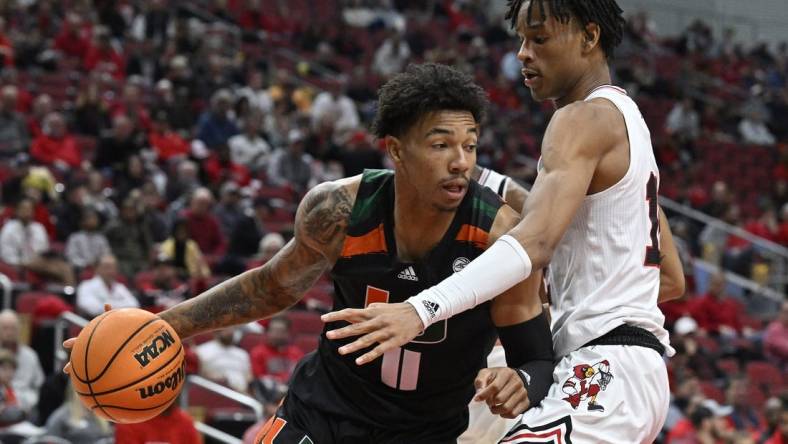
151 148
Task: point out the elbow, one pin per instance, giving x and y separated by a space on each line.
670 289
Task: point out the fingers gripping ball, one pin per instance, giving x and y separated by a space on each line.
127 365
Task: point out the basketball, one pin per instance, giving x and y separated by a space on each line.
127 365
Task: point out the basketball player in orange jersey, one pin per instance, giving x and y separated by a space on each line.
592 216
384 236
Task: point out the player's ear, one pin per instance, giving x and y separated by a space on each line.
394 148
591 35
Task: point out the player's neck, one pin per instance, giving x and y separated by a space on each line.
590 80
418 226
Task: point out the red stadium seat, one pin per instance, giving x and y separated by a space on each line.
765 375
729 366
26 303
711 391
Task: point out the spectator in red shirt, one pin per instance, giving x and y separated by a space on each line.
74 37
55 146
775 339
167 143
765 226
203 226
42 107
173 426
715 312
101 56
6 47
276 357
782 229
130 105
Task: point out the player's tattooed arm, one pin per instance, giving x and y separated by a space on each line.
320 226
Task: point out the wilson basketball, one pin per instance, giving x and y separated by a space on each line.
127 365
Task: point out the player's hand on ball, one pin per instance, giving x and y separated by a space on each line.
503 391
387 325
68 344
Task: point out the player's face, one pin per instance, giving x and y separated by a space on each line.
550 52
437 155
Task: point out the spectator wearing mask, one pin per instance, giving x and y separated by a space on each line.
104 288
85 247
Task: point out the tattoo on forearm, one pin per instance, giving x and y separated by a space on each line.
280 283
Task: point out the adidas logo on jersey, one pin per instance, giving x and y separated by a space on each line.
408 274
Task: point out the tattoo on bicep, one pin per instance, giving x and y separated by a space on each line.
326 215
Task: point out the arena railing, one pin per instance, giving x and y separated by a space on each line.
776 253
68 319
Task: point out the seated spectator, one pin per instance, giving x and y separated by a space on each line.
163 288
391 56
779 433
130 105
276 357
153 216
184 252
74 422
775 339
68 213
173 426
224 362
91 116
56 146
103 288
185 181
74 37
219 167
706 424
203 226
683 121
85 247
336 106
715 312
214 127
291 167
244 240
24 243
229 211
42 107
129 240
114 150
29 376
101 56
167 143
753 129
10 411
14 136
97 196
131 177
744 416
249 148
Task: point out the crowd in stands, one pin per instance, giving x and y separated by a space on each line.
151 148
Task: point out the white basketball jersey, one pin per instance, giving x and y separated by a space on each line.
605 272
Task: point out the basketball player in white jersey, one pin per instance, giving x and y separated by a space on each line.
592 216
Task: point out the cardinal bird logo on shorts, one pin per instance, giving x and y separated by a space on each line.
587 382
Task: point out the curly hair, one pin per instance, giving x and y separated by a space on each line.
605 13
422 89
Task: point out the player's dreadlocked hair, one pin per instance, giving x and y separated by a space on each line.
605 13
422 89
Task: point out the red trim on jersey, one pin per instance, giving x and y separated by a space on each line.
557 434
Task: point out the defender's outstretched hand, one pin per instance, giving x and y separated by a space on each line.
503 391
387 325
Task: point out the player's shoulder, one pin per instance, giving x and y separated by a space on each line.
588 115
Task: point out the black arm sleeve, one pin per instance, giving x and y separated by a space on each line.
529 348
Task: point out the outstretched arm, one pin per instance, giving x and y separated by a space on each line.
320 226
